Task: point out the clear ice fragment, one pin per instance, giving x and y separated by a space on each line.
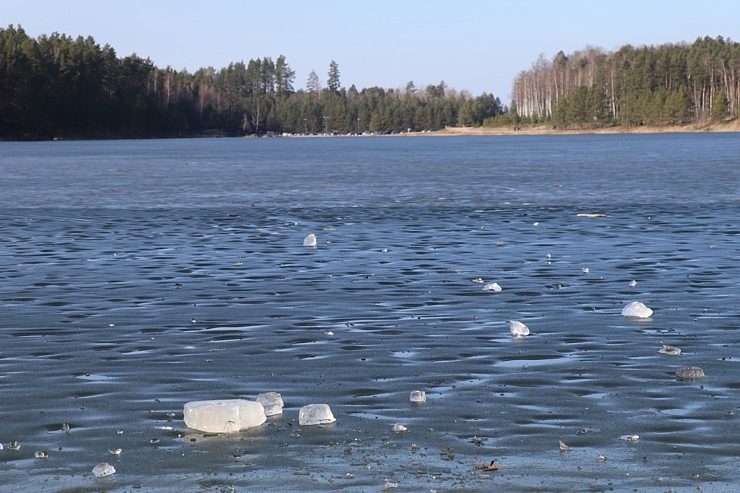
418 396
223 416
315 414
310 240
272 402
103 469
518 329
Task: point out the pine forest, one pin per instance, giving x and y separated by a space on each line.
55 86
665 85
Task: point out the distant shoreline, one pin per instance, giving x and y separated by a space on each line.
729 127
732 126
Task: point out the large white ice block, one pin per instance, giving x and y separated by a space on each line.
223 416
272 402
315 414
636 309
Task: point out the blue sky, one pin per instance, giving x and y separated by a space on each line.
475 45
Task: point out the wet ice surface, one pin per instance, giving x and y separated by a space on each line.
114 318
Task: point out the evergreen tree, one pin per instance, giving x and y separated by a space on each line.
333 82
312 84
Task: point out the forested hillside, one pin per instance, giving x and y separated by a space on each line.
58 87
663 85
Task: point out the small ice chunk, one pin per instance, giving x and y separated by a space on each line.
223 416
103 469
518 329
315 414
399 428
418 396
272 402
637 310
310 240
692 373
633 283
630 438
585 270
564 447
669 350
492 286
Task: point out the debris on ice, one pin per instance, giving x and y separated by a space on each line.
692 373
399 428
669 350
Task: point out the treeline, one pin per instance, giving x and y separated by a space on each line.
664 85
58 87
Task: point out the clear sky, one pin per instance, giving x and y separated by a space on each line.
474 45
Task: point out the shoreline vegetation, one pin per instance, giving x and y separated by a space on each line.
55 87
706 127
728 126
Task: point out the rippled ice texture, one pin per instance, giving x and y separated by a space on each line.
136 276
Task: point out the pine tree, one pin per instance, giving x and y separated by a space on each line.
333 82
312 84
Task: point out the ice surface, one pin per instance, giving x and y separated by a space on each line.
272 402
315 414
418 396
310 240
636 309
223 416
